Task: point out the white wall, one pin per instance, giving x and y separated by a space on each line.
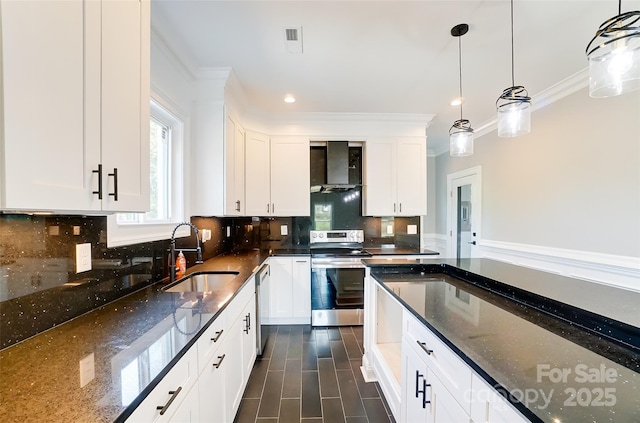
571 186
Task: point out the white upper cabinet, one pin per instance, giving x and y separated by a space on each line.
257 174
395 177
277 176
234 204
218 161
74 96
290 177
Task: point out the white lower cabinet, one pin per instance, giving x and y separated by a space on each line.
290 290
487 406
436 385
206 385
167 397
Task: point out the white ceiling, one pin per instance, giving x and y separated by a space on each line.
384 56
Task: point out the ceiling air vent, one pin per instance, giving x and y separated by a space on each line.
293 39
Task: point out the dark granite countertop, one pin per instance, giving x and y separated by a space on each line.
520 346
296 251
136 335
400 251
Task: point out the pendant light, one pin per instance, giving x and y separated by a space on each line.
461 133
614 56
514 105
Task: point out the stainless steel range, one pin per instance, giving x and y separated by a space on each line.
337 277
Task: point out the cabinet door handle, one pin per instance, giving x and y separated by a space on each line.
220 357
394 207
218 335
238 205
163 408
247 323
273 208
424 347
400 207
418 377
425 401
267 208
99 172
114 194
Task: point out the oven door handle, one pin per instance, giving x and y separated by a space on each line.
337 265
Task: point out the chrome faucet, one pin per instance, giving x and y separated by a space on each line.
172 249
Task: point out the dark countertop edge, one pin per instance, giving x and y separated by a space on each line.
126 413
479 370
615 331
529 299
400 251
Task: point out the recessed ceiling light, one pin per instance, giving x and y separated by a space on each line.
456 102
289 99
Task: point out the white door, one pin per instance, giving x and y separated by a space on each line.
257 178
281 290
234 168
380 178
464 212
290 177
301 282
411 159
47 161
125 96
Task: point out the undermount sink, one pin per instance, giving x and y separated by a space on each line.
203 282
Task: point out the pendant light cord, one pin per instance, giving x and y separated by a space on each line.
513 84
460 67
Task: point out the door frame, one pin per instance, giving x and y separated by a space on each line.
473 177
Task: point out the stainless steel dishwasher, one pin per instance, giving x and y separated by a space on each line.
262 291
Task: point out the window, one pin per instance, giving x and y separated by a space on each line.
166 131
160 174
322 214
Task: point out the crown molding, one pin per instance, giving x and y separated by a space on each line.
558 91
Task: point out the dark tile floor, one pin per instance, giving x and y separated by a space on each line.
312 375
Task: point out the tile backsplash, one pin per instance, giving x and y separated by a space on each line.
39 286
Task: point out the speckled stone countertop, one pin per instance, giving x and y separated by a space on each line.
129 342
556 370
400 251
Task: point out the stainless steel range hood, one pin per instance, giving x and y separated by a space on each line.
337 169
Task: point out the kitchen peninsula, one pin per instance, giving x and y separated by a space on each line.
540 340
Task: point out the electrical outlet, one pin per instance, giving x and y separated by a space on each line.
284 230
412 229
228 231
389 229
206 235
76 230
87 369
54 230
83 257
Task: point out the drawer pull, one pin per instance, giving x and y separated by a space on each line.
424 393
218 335
217 365
163 408
424 347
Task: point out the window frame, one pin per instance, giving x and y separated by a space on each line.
135 233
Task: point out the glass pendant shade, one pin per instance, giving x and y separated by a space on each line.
461 139
514 105
514 113
461 133
614 56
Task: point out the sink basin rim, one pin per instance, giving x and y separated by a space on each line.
232 274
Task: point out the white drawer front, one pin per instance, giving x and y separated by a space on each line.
211 339
235 308
454 373
176 384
